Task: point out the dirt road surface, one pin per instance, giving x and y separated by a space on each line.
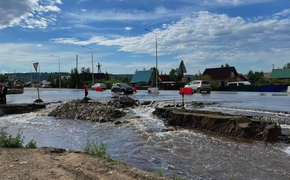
52 163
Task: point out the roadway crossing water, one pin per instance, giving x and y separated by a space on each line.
141 141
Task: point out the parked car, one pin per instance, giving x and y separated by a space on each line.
239 83
102 85
122 88
199 86
45 86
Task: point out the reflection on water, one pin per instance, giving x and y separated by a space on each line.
142 142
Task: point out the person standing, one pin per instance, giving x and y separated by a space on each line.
1 94
4 92
86 89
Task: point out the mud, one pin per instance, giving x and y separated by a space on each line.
19 108
220 124
93 111
54 163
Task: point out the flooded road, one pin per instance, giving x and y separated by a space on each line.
143 144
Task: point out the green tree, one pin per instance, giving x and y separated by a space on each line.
254 76
124 79
226 65
85 75
174 75
74 79
287 66
3 78
65 83
153 77
51 80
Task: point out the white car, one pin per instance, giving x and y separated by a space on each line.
102 85
199 85
240 83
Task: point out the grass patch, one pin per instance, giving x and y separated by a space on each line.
160 172
95 148
8 141
31 144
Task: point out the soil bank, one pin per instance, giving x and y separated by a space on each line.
53 163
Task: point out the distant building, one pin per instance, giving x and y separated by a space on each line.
165 82
18 83
142 78
280 74
119 76
223 75
45 84
267 75
67 77
101 76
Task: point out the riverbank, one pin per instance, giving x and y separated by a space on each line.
54 163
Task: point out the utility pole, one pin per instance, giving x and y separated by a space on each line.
77 61
77 69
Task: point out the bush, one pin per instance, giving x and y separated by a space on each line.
10 142
95 148
31 144
160 172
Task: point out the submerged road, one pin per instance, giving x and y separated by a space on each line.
141 141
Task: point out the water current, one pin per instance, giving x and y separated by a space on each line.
142 143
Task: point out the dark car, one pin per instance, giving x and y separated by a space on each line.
122 88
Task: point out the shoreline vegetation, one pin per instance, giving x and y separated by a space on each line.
93 162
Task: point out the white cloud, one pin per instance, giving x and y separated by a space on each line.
83 10
285 12
128 15
128 28
231 2
26 13
81 1
207 37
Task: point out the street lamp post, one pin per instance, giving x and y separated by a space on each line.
30 73
59 79
92 62
156 61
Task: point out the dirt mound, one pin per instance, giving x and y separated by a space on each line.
53 163
20 108
219 123
86 110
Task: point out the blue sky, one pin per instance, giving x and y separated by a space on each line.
247 34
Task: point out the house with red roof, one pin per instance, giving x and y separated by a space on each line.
223 75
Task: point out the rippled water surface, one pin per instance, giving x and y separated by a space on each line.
142 143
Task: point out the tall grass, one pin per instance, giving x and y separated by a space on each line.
31 144
7 141
95 148
11 142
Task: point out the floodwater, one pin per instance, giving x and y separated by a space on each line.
142 143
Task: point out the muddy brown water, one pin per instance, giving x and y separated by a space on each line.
142 143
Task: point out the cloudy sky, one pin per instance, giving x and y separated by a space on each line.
247 34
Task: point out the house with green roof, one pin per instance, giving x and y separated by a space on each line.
142 76
280 74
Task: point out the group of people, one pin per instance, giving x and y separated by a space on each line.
3 92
